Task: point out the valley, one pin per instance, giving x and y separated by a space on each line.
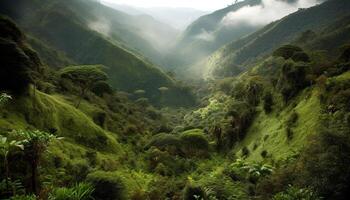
108 102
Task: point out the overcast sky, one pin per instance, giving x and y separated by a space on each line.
207 5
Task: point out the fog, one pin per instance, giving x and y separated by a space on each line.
268 11
205 35
102 25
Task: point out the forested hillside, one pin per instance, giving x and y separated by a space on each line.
57 28
84 116
241 53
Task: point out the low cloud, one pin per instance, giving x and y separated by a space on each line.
102 25
206 36
266 12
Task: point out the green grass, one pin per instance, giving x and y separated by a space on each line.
52 112
268 132
344 77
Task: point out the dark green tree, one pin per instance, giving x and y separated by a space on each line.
268 102
84 76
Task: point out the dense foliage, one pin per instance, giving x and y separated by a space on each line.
278 131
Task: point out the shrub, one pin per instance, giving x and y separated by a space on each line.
192 192
221 187
241 115
292 79
165 164
144 102
194 143
345 55
245 152
289 133
293 193
81 191
264 154
293 118
24 197
101 87
301 57
78 169
108 186
268 102
327 159
164 141
91 157
165 188
287 51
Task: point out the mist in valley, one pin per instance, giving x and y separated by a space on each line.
174 99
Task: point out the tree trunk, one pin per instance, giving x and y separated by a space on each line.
34 168
82 94
7 173
34 178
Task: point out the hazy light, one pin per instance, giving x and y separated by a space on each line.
268 11
196 4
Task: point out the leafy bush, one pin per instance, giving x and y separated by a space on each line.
294 52
240 115
163 163
289 133
194 143
192 192
108 186
293 118
345 55
165 188
165 141
24 197
264 154
101 87
4 98
245 152
268 102
293 193
292 79
81 191
221 187
301 57
327 159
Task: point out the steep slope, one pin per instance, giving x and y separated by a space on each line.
61 26
230 59
208 33
329 39
134 32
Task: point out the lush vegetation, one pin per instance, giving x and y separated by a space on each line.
68 131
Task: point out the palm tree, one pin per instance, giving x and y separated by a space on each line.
35 143
5 147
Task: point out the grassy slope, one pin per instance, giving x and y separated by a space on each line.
268 132
81 135
48 112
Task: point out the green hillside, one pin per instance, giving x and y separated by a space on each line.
84 117
60 28
237 55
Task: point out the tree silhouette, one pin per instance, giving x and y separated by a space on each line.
84 77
